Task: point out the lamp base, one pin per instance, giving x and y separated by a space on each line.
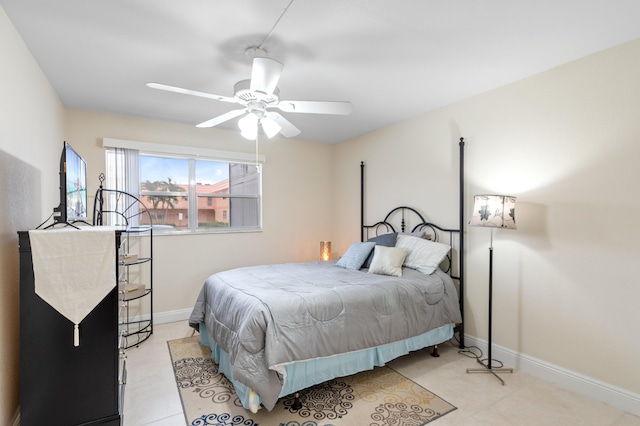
488 369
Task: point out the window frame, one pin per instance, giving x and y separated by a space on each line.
193 155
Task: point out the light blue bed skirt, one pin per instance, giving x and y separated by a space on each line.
302 374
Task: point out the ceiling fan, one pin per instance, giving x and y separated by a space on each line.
259 96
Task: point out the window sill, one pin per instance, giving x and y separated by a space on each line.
160 233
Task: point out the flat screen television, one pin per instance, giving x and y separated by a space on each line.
73 187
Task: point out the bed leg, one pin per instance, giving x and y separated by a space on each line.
435 352
296 402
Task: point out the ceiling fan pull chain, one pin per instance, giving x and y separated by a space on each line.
257 162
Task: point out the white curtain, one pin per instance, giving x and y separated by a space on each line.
122 174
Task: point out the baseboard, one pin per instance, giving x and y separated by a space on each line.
171 316
165 317
567 379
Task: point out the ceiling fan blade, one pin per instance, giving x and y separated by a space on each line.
287 129
222 118
265 75
317 107
190 92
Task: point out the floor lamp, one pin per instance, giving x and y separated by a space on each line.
493 211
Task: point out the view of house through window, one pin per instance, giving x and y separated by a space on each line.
186 194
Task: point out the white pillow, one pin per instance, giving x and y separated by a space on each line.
424 255
388 260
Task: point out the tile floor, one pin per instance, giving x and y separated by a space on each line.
151 395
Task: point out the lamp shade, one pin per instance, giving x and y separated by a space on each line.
325 250
249 126
494 211
270 127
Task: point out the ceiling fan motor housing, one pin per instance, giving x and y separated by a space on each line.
245 96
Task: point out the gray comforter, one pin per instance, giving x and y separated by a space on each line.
267 316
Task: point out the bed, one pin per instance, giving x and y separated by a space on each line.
277 329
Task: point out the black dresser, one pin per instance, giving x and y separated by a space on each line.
61 384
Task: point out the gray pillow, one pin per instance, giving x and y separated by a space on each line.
386 240
419 234
355 255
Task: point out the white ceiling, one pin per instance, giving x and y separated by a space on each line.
392 59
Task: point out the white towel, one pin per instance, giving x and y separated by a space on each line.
74 269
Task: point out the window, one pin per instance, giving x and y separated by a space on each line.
188 193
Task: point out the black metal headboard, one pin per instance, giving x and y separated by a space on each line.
408 219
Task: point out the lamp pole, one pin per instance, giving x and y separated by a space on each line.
490 301
487 367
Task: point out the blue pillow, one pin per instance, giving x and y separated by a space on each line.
387 240
355 255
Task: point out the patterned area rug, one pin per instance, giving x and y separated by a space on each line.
379 397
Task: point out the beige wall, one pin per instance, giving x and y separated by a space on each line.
297 183
31 135
565 142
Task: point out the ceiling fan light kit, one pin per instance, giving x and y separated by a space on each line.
249 125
